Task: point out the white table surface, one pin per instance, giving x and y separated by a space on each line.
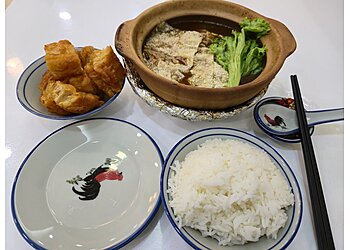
318 61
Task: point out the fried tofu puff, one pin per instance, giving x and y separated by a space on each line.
48 99
105 70
83 83
62 59
45 80
85 53
67 98
78 80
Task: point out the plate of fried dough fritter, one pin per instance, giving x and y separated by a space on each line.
71 82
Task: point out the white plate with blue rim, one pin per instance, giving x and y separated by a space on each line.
193 237
92 184
28 93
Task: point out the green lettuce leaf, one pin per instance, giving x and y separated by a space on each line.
240 54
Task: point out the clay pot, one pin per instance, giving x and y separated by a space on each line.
217 16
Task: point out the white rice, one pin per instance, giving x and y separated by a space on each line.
231 191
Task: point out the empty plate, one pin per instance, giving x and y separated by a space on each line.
93 184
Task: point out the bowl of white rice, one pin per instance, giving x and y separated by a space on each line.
224 188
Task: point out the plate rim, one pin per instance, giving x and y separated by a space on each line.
122 243
165 207
30 69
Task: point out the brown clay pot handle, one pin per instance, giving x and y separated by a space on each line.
122 39
289 43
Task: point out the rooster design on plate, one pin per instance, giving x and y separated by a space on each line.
88 187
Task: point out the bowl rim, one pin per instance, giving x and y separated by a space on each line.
21 89
298 189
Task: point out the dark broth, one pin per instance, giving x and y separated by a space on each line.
213 24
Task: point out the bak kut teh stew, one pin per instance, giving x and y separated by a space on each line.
198 51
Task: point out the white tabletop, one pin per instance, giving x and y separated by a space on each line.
318 61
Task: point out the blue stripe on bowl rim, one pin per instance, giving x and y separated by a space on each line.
169 213
281 137
26 104
118 245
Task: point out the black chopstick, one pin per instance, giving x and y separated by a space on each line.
321 221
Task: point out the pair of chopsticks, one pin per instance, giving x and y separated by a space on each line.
319 209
